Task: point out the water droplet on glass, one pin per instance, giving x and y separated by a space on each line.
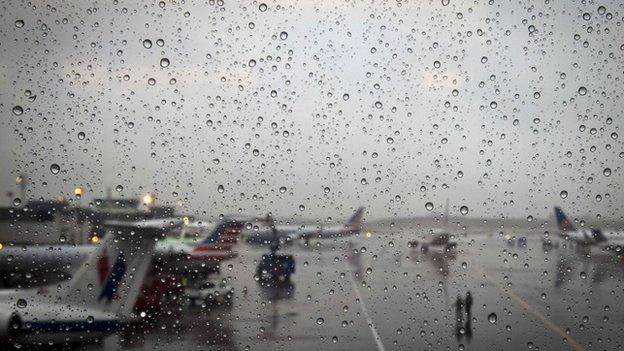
320 321
301 207
429 206
17 201
81 136
54 168
164 62
492 318
252 63
606 172
463 210
220 188
21 303
582 91
283 35
19 23
563 194
262 7
147 43
18 110
282 189
345 97
119 188
446 2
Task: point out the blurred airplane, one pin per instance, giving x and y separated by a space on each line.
289 233
610 240
439 239
183 254
93 304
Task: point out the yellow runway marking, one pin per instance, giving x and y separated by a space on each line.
548 323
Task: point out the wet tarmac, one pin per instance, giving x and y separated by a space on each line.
379 294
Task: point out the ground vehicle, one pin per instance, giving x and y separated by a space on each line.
441 239
211 293
274 267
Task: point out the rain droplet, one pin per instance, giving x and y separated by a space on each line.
17 201
602 10
81 136
492 318
345 97
464 210
429 206
54 168
301 207
164 62
283 35
18 110
606 172
446 2
582 91
147 43
252 63
262 7
320 321
19 23
220 188
119 188
282 189
21 303
378 104
563 194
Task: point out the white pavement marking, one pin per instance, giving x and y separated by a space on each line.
380 346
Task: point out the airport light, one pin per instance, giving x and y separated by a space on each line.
148 199
78 191
19 180
95 239
1 246
369 234
186 220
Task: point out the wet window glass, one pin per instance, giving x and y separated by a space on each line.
334 175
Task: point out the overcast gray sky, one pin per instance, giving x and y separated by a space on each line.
495 105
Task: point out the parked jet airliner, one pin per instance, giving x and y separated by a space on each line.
99 298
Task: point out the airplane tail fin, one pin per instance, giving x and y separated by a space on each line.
111 278
564 224
356 220
226 231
